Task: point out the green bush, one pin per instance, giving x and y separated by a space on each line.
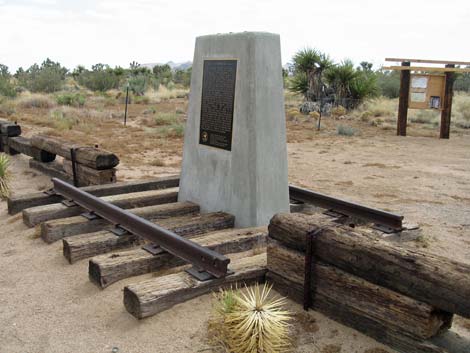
72 99
344 130
138 84
101 77
6 88
166 118
49 77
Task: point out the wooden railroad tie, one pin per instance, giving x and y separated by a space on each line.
91 244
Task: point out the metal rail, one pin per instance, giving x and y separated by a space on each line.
381 218
201 257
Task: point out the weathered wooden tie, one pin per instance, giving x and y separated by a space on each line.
92 157
89 176
150 297
18 203
106 269
36 215
348 316
433 279
332 287
60 228
87 245
23 145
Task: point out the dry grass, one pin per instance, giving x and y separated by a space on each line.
292 100
379 107
27 101
380 110
163 93
4 176
7 108
461 110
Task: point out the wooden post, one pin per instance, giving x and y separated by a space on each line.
403 102
447 104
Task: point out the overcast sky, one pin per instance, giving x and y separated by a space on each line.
117 32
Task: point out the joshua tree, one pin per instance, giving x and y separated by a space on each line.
309 65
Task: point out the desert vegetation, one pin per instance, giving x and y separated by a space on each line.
87 105
249 320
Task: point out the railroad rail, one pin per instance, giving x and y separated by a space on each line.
384 221
201 258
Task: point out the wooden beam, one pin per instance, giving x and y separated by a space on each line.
90 176
53 169
428 61
403 100
158 294
23 145
429 69
106 269
387 308
92 157
344 314
4 141
57 229
10 129
91 244
447 104
36 215
18 203
429 278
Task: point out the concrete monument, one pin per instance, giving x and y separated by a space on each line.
235 157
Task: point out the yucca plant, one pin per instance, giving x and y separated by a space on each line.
250 321
4 176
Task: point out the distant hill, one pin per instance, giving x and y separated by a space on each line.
174 66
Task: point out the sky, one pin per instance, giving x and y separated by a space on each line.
116 32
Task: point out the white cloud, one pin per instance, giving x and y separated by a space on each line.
117 31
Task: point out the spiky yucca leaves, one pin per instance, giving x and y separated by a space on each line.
251 322
4 176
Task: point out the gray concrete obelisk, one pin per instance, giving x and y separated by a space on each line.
235 155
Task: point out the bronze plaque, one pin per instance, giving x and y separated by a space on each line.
218 96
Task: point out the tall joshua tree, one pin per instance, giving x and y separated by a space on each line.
309 65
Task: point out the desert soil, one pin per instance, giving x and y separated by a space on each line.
47 305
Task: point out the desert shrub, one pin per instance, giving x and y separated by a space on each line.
35 101
7 89
424 117
250 322
101 77
141 100
175 130
4 176
379 107
182 77
314 115
164 93
292 112
61 121
338 111
7 107
345 130
49 77
166 118
66 118
388 83
138 84
461 110
72 99
365 116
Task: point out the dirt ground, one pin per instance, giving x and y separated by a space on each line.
47 305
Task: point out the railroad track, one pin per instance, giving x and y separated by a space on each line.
129 229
